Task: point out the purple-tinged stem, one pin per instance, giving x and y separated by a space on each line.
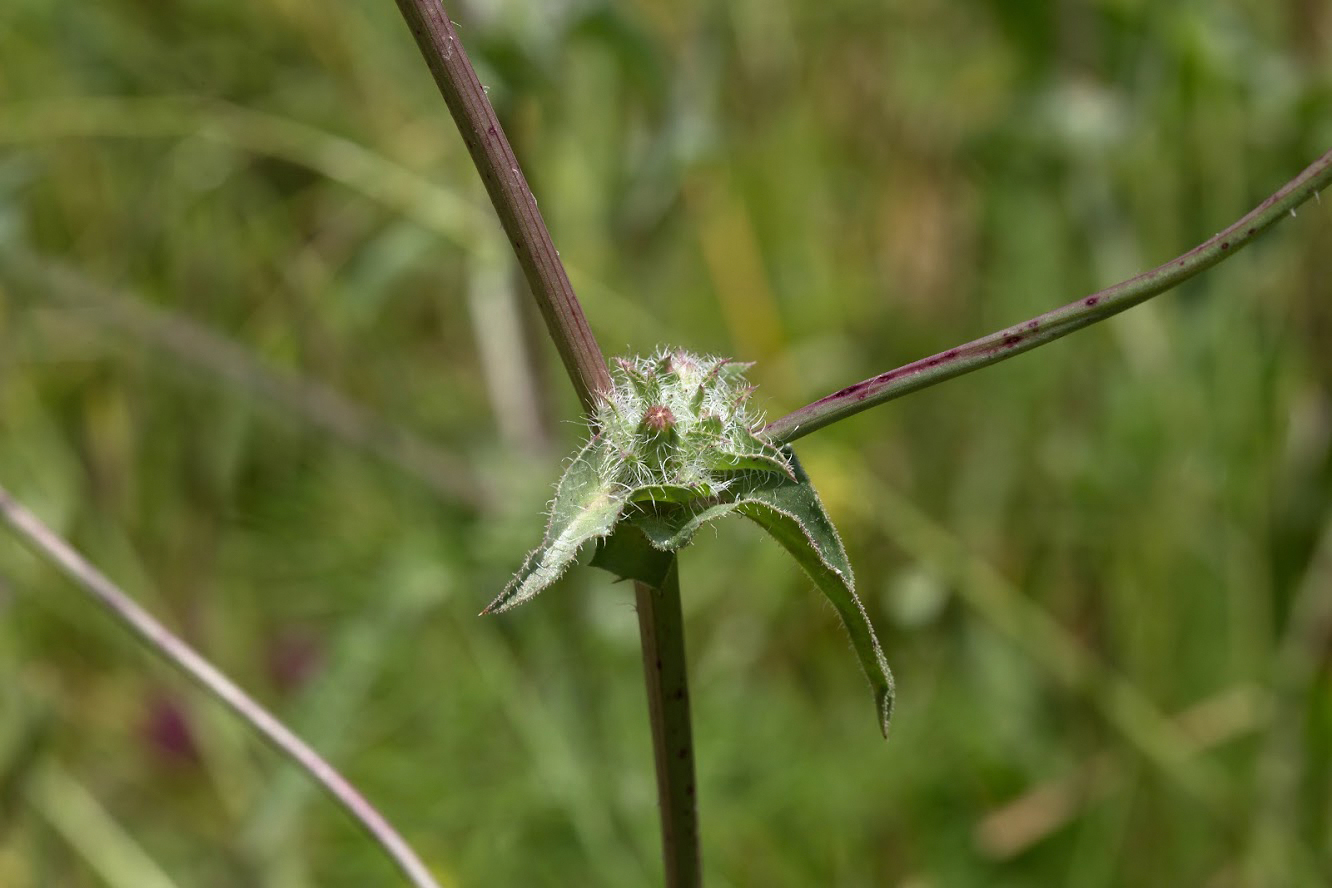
175 651
509 192
659 619
1054 324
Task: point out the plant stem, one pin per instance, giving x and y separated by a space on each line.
659 619
509 192
661 627
1055 324
175 651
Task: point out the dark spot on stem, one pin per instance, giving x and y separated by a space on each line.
1250 231
862 390
843 393
1033 324
1225 245
1012 339
1091 301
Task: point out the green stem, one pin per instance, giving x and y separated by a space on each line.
661 627
1055 324
509 192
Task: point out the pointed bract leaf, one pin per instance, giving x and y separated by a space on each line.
671 529
586 507
790 511
663 493
720 461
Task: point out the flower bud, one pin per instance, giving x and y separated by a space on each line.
657 420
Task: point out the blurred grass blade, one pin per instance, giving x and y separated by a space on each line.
397 187
1293 757
360 656
502 348
1062 656
1017 825
92 833
434 207
222 359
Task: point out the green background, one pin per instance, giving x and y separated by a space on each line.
265 360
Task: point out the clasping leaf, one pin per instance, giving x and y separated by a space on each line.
675 448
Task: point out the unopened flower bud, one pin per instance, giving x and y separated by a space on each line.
658 420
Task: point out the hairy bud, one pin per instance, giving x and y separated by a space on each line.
680 428
658 420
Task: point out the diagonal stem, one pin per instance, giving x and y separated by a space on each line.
509 192
175 651
1055 324
661 627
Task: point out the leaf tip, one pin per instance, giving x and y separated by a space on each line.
886 714
887 697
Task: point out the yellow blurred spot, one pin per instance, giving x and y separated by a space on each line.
735 264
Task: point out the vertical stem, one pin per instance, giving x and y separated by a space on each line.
661 627
509 192
660 623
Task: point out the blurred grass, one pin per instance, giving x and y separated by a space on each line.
831 189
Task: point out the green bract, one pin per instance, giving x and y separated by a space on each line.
675 447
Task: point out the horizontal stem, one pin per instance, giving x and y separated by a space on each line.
1052 325
171 648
